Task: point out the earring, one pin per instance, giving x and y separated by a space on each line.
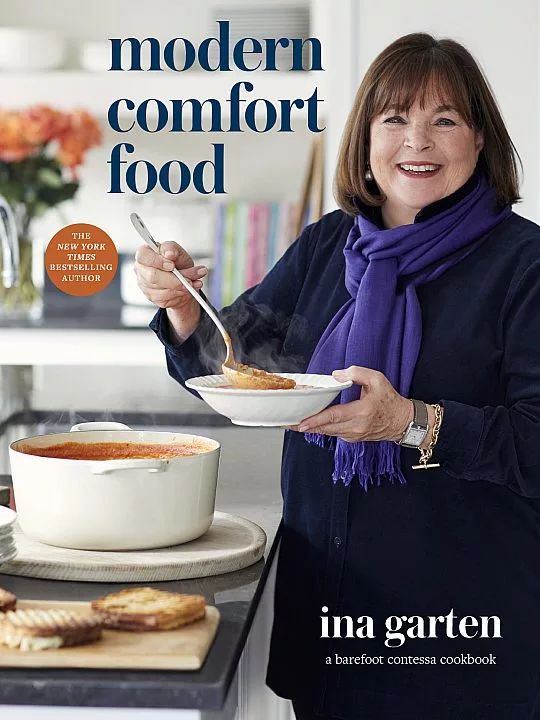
368 174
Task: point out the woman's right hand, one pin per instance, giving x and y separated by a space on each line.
161 287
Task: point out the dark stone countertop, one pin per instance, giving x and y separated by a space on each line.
248 486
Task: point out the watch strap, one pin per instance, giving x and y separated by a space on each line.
420 413
418 428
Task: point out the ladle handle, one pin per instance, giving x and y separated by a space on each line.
143 231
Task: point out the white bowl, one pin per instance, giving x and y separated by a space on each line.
27 49
268 408
95 56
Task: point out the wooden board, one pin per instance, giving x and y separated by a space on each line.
231 543
182 649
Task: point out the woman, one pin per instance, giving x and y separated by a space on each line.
423 287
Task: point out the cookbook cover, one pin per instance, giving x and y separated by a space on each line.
270 361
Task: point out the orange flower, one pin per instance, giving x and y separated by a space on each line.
42 124
13 142
82 133
23 133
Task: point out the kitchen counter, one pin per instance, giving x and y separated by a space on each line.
248 486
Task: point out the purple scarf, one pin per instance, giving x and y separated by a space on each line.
381 328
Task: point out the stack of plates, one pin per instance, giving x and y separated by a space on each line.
8 549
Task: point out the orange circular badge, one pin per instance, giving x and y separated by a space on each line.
81 259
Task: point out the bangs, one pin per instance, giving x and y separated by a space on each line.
422 78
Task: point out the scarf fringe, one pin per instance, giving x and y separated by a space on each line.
371 462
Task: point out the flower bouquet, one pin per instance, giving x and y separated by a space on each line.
40 152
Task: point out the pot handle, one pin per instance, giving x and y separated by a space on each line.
105 467
99 426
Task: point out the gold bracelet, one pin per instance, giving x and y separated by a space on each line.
425 455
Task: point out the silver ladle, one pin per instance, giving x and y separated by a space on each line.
237 374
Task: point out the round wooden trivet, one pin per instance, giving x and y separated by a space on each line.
231 543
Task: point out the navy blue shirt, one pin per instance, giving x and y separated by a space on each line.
462 538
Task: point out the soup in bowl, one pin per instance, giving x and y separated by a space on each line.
114 488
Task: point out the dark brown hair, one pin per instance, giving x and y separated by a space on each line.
418 66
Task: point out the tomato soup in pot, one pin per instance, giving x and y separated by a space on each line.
115 450
108 487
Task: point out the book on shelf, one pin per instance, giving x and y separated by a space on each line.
249 238
227 291
216 274
240 248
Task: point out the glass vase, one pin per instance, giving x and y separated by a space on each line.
24 299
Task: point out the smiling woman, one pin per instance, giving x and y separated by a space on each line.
418 493
425 153
414 110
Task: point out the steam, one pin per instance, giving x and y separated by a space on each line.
64 418
257 333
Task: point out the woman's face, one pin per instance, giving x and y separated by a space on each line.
420 156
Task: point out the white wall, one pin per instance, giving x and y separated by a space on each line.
504 37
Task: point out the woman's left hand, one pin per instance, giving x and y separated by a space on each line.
381 413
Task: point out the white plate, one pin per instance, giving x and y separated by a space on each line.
7 549
5 531
7 546
269 408
8 557
7 517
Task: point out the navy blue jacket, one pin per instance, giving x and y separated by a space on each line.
465 537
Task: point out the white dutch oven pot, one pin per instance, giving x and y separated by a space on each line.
114 504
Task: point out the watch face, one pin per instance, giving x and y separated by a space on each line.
414 436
